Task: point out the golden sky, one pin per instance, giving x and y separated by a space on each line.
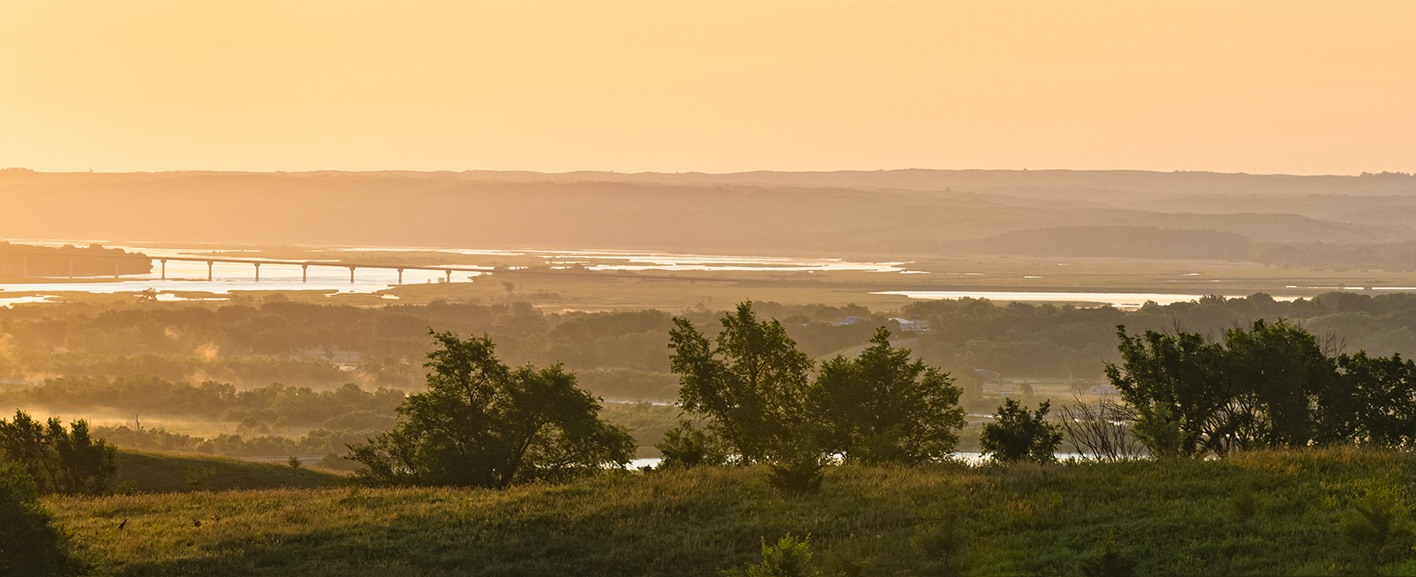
722 85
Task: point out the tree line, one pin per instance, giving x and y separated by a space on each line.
1264 386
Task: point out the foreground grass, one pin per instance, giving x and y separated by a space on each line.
1172 518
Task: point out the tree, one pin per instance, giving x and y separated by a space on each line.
1385 391
1287 392
1271 385
1173 381
60 461
749 384
482 424
29 542
1017 435
882 408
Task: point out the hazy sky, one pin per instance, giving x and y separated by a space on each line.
720 85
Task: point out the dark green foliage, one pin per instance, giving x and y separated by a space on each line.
798 475
750 383
1385 398
687 446
30 544
789 557
1270 386
1108 561
883 408
1017 435
482 424
1177 385
60 461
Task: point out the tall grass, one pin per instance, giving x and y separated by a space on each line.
1170 518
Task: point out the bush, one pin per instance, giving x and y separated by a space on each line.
1018 435
788 558
29 543
687 446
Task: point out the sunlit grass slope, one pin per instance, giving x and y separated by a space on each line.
158 473
1172 518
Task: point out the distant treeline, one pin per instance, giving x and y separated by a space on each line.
619 355
276 404
1152 242
1021 340
22 259
622 355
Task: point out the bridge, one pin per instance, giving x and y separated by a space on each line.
256 262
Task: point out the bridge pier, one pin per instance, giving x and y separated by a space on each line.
164 269
209 271
304 273
449 275
258 272
351 275
116 262
400 276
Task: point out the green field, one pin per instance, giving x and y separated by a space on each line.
1256 514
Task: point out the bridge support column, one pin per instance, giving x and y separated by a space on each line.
208 271
400 276
449 275
116 262
304 273
164 269
351 275
258 272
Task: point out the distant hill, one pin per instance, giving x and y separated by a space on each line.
909 212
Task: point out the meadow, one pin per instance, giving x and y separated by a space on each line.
1254 514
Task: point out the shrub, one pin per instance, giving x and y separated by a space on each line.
687 446
1018 435
790 557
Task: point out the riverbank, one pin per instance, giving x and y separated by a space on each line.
1279 513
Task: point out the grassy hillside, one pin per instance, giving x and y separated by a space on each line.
1255 514
157 473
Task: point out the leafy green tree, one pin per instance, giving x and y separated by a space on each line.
1174 382
482 424
60 461
1385 391
29 542
1287 391
749 383
1270 385
1018 435
882 408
